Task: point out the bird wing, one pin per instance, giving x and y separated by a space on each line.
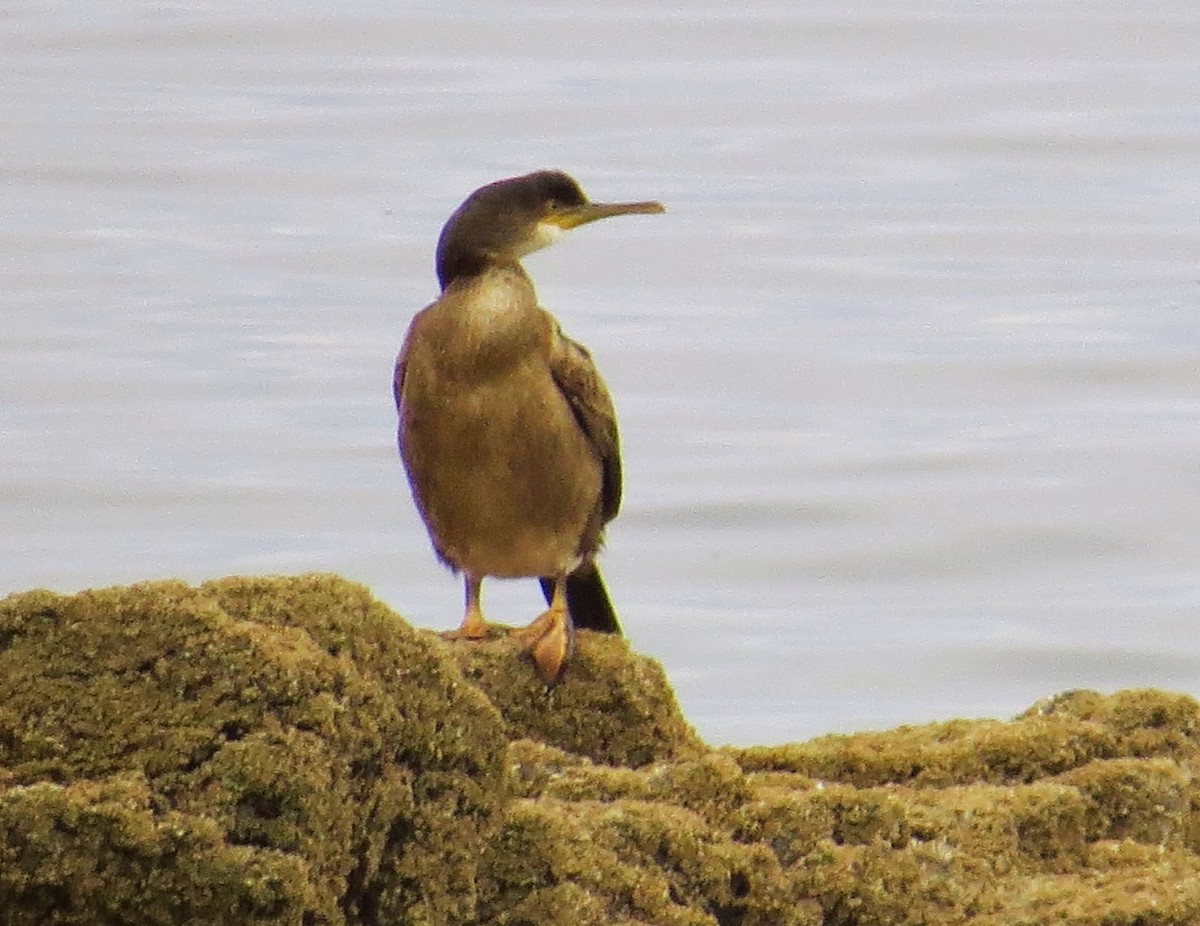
580 384
402 358
398 375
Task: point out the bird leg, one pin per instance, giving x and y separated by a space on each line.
472 626
550 636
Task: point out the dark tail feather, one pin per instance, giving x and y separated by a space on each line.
587 600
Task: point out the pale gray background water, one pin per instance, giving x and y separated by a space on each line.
907 376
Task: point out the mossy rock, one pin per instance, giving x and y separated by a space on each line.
587 863
1082 810
100 852
271 750
289 751
613 706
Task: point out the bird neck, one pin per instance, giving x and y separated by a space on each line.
457 264
493 320
491 273
499 291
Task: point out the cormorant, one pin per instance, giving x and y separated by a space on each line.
507 432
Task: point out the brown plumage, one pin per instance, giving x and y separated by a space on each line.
507 431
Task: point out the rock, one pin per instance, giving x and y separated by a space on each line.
249 751
289 751
613 706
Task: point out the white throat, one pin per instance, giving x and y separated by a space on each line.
544 235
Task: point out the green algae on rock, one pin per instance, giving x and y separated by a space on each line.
617 709
98 851
289 751
293 724
1082 810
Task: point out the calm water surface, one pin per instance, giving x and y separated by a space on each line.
908 376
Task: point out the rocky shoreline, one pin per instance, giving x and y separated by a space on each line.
287 750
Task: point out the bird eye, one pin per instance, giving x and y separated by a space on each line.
553 205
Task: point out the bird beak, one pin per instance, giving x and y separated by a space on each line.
591 212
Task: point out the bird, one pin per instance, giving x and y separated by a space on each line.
506 429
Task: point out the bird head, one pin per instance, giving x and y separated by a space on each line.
505 220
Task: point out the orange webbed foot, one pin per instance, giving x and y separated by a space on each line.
550 639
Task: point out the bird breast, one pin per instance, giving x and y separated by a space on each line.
507 481
489 327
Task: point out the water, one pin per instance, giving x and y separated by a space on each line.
908 376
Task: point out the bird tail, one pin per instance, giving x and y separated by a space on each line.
587 600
